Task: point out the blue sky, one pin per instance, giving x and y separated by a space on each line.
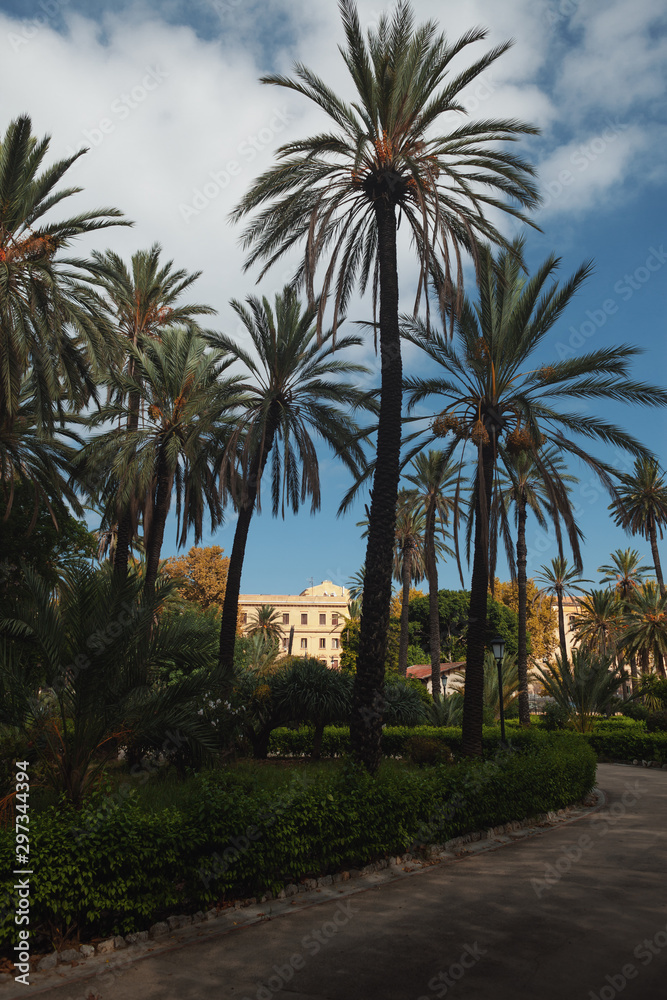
166 96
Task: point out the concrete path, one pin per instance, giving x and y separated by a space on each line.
578 911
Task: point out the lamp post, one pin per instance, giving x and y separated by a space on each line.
498 647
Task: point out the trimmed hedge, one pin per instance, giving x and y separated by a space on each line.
112 868
612 739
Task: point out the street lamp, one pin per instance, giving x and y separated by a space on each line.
498 647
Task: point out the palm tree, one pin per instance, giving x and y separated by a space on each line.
140 302
50 326
645 632
641 506
585 687
188 405
543 490
294 390
626 572
408 566
267 622
339 194
99 656
499 400
432 480
598 621
561 581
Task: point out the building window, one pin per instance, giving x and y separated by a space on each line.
334 664
334 643
304 619
334 620
285 644
244 619
323 619
323 643
304 644
323 660
285 619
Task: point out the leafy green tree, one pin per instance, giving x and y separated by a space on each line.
295 391
435 487
312 692
45 536
641 506
495 398
140 303
339 194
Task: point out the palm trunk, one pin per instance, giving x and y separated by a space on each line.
473 700
127 517
165 482
230 607
659 663
561 625
522 652
405 612
433 603
368 700
653 536
633 673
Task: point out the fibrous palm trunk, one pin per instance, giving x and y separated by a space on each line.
561 625
405 611
473 701
433 603
368 698
653 536
165 482
127 517
230 607
522 585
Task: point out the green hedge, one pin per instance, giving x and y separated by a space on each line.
612 739
113 867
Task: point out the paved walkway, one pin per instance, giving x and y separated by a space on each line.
577 911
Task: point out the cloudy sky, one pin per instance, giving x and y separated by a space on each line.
167 98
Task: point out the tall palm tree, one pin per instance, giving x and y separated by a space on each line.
598 621
140 301
645 632
544 491
498 399
561 580
626 572
641 506
188 403
340 195
50 327
409 566
436 485
294 392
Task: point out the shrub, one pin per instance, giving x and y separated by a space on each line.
555 716
634 710
657 722
425 750
112 867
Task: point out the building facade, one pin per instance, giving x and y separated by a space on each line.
317 616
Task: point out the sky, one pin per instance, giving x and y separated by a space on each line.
167 99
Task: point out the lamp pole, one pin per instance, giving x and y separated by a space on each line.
498 646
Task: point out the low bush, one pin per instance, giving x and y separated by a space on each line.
657 722
425 750
628 744
112 867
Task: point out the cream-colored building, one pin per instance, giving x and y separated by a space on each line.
317 616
